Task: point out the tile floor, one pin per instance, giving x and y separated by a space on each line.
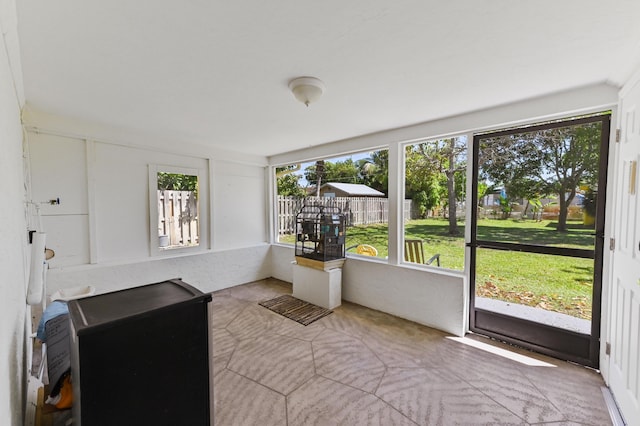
363 367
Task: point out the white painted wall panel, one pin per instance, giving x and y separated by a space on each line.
58 170
121 204
240 205
13 243
68 236
120 190
122 199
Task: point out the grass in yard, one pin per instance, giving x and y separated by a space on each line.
375 235
554 283
534 232
435 234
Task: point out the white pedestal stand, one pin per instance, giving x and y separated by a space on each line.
318 286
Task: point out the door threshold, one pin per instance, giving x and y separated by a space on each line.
539 315
614 411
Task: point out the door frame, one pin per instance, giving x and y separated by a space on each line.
560 343
620 330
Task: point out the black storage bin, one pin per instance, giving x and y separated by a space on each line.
141 357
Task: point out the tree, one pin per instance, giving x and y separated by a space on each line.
450 151
422 183
572 154
325 171
320 173
341 171
508 161
374 171
288 186
177 182
549 161
427 162
288 182
483 191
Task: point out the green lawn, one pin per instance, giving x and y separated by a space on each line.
555 283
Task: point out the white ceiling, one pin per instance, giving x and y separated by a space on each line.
216 72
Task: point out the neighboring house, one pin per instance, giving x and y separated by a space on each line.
336 189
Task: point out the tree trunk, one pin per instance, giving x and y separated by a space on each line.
562 213
451 188
319 174
564 208
453 224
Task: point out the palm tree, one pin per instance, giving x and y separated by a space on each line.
374 170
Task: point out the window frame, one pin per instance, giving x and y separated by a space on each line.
467 210
154 238
274 210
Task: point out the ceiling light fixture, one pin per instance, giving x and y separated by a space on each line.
306 89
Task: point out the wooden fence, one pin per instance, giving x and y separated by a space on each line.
177 218
358 210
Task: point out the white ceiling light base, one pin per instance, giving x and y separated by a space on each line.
307 89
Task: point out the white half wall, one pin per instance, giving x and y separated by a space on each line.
434 299
207 272
282 258
13 228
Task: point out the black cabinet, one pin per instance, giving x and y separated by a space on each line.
141 357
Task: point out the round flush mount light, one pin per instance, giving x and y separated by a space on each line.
306 89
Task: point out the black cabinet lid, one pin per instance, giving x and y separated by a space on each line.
112 307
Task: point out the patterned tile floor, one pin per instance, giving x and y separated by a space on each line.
363 367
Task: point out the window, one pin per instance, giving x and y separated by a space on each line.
434 207
175 208
356 183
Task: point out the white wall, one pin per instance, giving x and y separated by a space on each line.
59 170
239 205
434 299
282 257
100 231
13 227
